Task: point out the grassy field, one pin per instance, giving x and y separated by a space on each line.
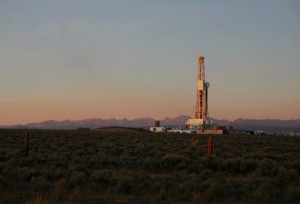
122 165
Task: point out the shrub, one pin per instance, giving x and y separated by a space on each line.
104 178
292 194
198 198
217 191
264 193
238 165
213 164
125 185
206 174
269 167
60 189
38 199
287 175
174 161
76 179
41 184
109 167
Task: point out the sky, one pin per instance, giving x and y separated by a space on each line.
79 59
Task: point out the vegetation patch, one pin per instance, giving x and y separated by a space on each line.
117 165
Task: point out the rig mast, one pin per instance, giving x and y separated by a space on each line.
202 93
201 113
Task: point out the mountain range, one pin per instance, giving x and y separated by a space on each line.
239 124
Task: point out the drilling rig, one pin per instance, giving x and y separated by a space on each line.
201 122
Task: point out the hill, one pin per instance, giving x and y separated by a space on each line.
242 124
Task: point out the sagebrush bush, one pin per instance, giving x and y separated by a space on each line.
264 193
217 191
117 165
38 199
292 194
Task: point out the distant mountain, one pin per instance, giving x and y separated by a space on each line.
266 124
177 121
239 124
99 122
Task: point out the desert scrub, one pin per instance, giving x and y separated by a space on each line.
112 166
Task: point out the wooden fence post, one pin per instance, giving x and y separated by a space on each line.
194 141
209 147
26 143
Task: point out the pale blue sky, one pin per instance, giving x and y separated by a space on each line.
76 59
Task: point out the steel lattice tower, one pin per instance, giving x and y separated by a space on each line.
202 93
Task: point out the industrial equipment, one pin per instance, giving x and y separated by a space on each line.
201 121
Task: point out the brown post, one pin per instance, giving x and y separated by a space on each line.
209 147
194 141
26 143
